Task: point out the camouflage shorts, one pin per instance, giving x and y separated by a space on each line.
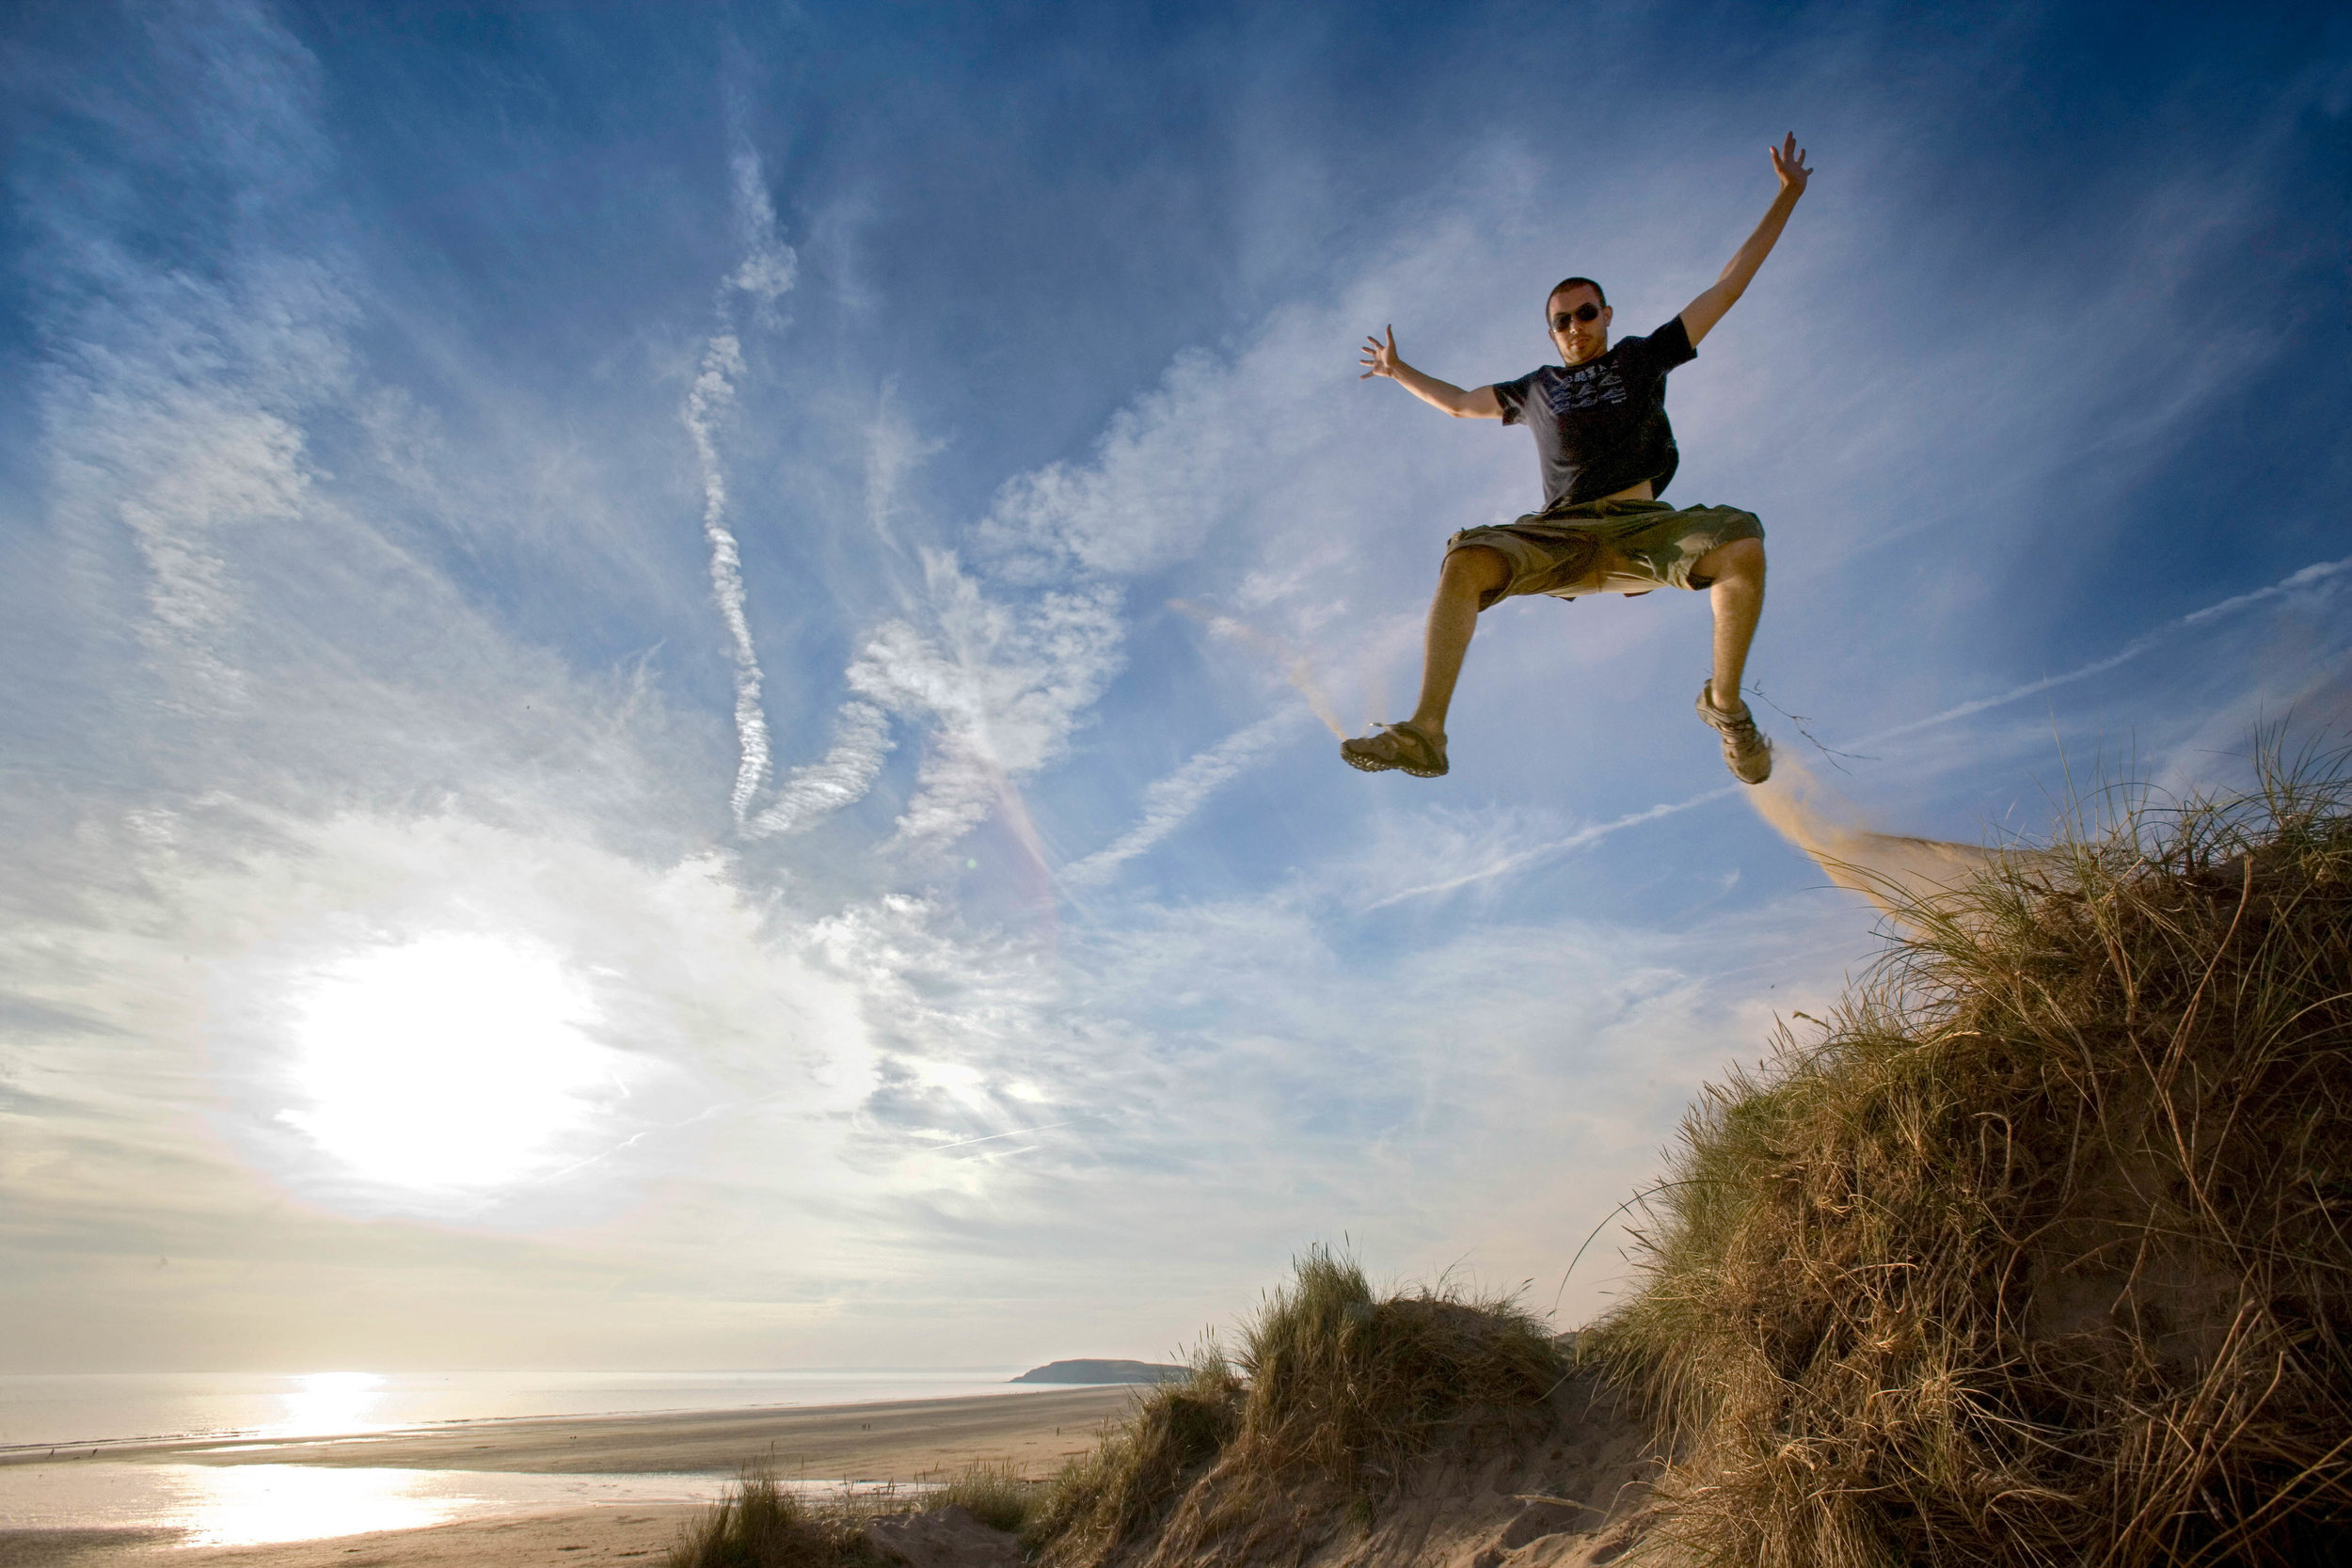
1558 551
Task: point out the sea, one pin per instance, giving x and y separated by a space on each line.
58 1434
84 1410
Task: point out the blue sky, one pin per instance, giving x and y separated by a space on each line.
659 657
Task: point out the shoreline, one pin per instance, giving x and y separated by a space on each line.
890 1432
875 1442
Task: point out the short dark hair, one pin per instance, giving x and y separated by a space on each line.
1566 283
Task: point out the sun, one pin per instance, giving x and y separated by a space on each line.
453 1061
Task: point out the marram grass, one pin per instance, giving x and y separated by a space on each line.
2042 1252
763 1523
1332 1391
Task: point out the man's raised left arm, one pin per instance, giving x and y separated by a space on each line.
1700 316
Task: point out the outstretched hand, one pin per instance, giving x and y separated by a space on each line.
1380 357
1789 163
1700 316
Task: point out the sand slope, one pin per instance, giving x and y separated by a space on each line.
1572 1492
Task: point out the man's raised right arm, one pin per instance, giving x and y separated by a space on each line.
1479 403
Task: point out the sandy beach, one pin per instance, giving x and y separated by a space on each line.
510 1541
904 1441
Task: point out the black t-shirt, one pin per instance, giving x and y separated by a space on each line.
1600 427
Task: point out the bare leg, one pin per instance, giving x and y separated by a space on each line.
1466 574
1738 600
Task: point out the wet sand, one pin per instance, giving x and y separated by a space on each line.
640 1535
906 1441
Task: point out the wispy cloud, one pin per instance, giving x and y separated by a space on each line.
770 266
1168 802
173 399
1002 682
894 450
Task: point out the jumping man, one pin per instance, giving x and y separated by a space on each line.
1599 422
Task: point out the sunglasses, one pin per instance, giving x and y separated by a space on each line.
1583 312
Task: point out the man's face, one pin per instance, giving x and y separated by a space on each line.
1577 338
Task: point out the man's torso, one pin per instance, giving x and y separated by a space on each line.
1600 427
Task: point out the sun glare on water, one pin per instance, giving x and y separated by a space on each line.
453 1061
322 1403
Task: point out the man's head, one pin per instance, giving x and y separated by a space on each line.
1578 315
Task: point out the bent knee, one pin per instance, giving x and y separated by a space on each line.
1480 570
1741 560
1476 566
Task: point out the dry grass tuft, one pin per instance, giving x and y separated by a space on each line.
1333 1393
1107 1498
2039 1253
1351 1388
996 1494
762 1524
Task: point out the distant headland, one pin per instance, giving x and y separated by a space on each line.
1104 1371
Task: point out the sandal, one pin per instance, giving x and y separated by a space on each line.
1746 753
1401 746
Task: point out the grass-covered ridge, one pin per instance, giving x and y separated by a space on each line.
1332 1391
2042 1252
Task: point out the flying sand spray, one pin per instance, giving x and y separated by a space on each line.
1293 664
1895 871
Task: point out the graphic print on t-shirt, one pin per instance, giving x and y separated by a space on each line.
1586 387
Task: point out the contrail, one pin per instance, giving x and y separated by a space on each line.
712 392
2316 572
860 741
765 272
990 1138
1170 801
1574 841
